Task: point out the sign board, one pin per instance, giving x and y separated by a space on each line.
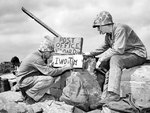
62 60
68 45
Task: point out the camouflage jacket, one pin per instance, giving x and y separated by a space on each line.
34 65
122 40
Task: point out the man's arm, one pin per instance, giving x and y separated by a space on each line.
47 70
117 48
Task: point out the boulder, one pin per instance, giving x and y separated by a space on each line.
136 81
60 82
11 96
107 110
9 102
82 90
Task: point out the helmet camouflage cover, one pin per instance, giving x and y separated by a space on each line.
103 18
47 44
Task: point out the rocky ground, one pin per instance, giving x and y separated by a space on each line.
135 81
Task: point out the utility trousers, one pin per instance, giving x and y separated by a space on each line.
116 64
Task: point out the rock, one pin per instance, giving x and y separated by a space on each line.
54 107
82 90
136 81
95 111
11 96
4 85
77 110
60 83
8 105
35 108
107 110
12 107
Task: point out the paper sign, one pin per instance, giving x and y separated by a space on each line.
62 60
68 45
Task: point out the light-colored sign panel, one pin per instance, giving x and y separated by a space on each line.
68 45
62 60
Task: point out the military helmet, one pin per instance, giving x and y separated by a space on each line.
103 18
47 44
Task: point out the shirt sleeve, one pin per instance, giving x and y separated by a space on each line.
118 45
120 41
46 70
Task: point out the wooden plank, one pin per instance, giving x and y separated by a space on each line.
62 60
68 45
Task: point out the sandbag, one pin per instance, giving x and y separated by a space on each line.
82 90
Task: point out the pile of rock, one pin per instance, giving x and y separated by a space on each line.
135 81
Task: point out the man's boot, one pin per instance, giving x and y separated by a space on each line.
111 96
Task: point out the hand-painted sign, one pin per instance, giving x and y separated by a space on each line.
62 60
68 45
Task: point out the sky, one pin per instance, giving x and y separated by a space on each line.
21 35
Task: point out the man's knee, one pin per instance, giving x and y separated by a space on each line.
49 80
44 81
116 60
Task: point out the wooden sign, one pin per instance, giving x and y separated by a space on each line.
68 45
62 60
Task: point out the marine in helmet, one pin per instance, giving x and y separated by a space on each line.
122 49
15 63
35 76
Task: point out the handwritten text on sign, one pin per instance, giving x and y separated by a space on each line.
62 60
68 45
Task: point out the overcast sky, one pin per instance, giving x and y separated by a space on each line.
20 35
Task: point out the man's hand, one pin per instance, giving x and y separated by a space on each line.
51 64
69 66
87 55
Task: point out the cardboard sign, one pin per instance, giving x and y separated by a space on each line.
62 60
68 45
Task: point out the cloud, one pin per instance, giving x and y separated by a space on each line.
13 20
70 18
9 50
68 4
9 7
